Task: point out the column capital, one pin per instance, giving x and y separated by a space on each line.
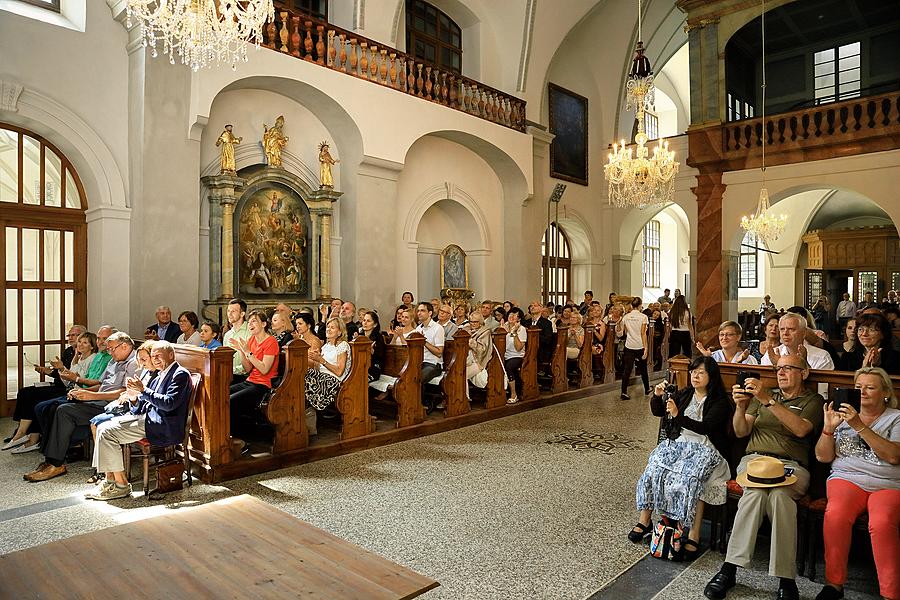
223 188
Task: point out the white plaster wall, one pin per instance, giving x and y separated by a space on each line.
448 194
673 264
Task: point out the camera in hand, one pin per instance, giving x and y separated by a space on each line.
670 391
849 396
743 376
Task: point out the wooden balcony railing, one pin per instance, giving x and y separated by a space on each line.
861 125
319 42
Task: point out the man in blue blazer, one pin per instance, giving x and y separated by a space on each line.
164 329
159 414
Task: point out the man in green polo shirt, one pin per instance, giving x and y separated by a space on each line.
780 423
236 313
91 379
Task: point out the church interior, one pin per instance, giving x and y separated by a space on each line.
466 299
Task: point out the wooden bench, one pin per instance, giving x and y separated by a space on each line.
609 355
285 408
402 379
496 390
559 377
585 361
353 397
454 384
528 372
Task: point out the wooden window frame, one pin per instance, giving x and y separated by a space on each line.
556 262
19 216
297 6
413 34
748 275
52 5
840 76
650 254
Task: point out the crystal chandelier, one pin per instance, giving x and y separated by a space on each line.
765 224
201 31
636 179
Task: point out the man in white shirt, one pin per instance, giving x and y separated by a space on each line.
846 310
434 341
792 328
634 325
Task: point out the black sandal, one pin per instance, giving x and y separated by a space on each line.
686 554
638 536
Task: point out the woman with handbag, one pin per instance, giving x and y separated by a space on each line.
695 421
864 449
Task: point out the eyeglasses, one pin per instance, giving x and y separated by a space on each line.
788 368
865 329
116 347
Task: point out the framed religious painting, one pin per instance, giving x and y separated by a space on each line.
569 123
273 242
454 268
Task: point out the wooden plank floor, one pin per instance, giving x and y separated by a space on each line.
235 548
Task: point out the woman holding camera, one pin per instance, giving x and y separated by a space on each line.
865 477
695 421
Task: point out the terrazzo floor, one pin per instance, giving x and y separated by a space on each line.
532 506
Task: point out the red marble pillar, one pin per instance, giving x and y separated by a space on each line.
710 276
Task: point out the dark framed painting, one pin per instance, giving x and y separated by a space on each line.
569 123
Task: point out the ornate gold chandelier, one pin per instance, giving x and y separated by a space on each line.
201 31
635 178
765 224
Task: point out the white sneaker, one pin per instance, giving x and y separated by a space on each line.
95 493
28 448
14 443
113 492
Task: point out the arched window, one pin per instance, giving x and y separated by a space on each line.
749 262
557 265
43 244
650 254
432 36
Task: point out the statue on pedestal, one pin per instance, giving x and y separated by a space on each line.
325 161
274 141
228 141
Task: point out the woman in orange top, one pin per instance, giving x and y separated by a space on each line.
259 355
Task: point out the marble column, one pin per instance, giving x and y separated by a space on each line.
314 236
709 274
325 286
224 190
703 40
215 245
621 274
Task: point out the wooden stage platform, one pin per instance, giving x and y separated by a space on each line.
239 547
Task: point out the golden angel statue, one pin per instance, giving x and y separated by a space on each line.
228 141
325 161
274 142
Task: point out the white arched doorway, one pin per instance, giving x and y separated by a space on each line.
447 222
660 254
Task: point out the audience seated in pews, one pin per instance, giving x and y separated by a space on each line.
259 358
159 415
371 328
164 328
516 337
443 319
538 319
236 312
780 423
189 325
404 326
59 417
792 330
634 327
66 370
281 329
864 449
771 335
874 347
730 349
209 335
691 458
460 314
434 342
480 349
891 301
328 367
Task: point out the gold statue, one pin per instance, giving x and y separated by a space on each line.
228 141
274 142
325 162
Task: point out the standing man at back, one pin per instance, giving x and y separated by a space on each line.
634 326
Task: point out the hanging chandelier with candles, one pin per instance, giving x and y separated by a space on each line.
202 32
764 224
635 178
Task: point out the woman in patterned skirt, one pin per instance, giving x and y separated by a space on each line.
330 366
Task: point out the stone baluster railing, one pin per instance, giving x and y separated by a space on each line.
318 42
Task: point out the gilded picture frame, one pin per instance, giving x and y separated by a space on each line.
454 268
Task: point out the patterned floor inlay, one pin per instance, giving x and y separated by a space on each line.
605 443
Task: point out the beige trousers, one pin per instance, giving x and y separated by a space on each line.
780 505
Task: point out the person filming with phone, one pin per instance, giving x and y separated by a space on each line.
861 436
780 423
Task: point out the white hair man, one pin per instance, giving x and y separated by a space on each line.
792 328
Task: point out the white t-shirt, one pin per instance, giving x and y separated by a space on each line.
194 340
511 351
816 357
330 353
434 335
719 357
632 322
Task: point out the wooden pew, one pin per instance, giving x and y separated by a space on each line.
286 407
405 363
609 355
664 351
650 345
560 382
353 397
454 383
496 391
528 373
585 359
